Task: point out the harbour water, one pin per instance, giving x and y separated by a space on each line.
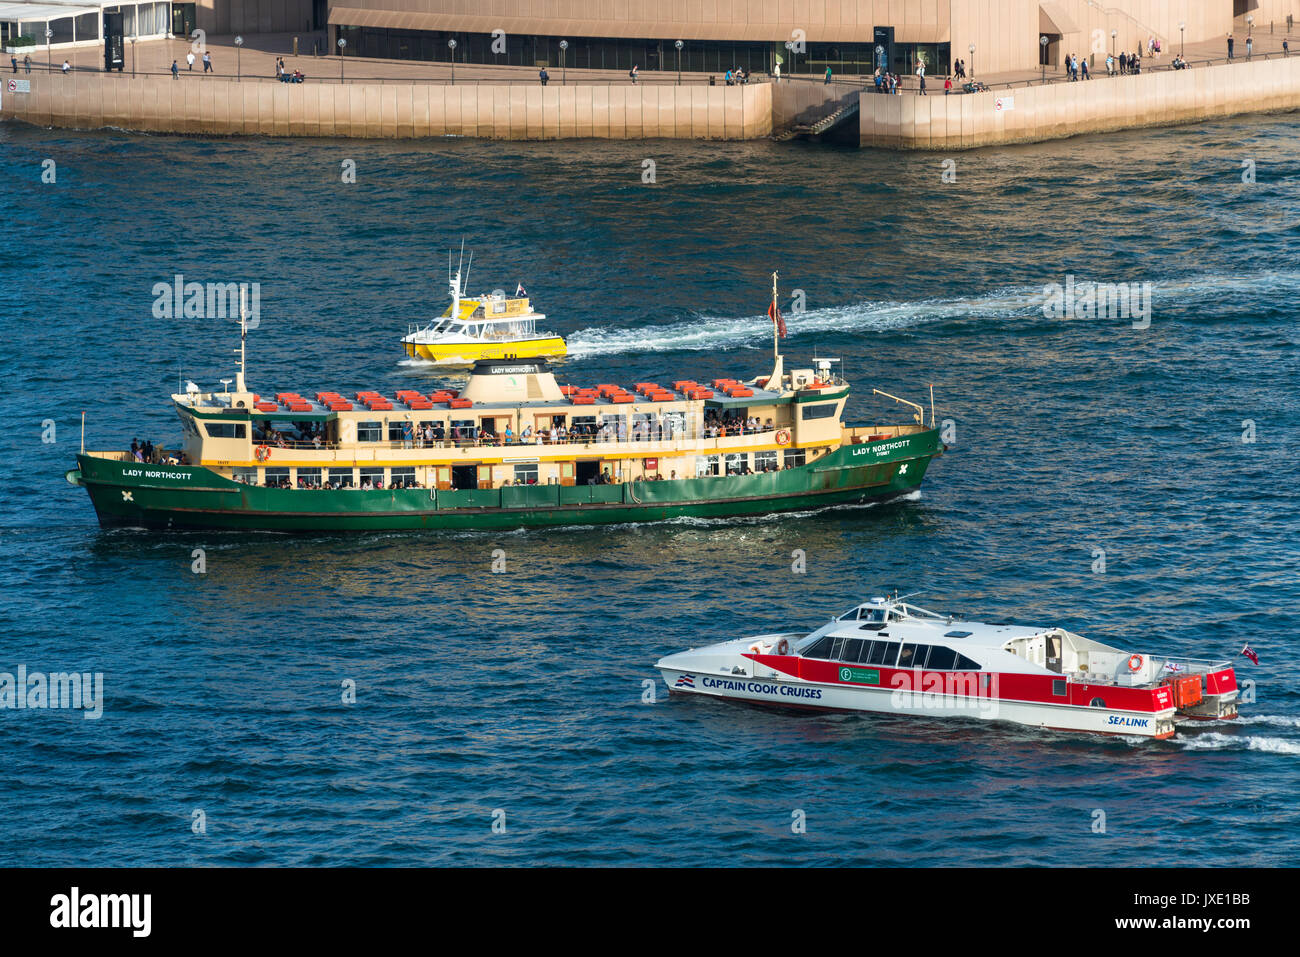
1136 485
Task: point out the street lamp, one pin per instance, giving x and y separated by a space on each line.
239 44
679 46
451 45
972 61
1250 25
1181 36
564 76
343 43
1113 35
1042 60
49 57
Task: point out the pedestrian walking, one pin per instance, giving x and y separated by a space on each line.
1250 44
920 75
13 58
828 76
27 63
189 59
176 71
633 72
207 63
543 75
1230 44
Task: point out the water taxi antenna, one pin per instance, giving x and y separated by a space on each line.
243 338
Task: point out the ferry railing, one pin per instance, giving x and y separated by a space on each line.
676 438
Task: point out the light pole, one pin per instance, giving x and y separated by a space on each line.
451 45
239 45
133 38
1113 35
679 45
343 44
1250 26
564 75
1182 27
1042 59
49 57
972 61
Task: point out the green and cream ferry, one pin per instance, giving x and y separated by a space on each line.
512 448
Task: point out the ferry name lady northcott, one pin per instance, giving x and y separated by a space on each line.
513 448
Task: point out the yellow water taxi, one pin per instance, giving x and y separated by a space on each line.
492 326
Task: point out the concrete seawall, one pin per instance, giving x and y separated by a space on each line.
1058 110
391 110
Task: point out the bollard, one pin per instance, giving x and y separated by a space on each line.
295 46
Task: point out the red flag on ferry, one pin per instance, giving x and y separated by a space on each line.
1247 652
774 314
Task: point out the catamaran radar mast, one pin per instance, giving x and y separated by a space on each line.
243 338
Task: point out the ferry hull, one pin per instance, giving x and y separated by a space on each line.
190 497
784 692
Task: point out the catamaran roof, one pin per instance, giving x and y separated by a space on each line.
928 627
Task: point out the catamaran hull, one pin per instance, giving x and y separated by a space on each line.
784 692
189 497
467 353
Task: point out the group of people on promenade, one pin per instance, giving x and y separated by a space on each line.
189 61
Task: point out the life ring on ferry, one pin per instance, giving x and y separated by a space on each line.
783 647
1135 662
783 437
263 453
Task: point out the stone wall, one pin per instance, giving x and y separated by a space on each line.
970 120
394 109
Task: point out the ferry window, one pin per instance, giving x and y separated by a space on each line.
706 465
907 656
307 478
837 649
276 477
395 431
1058 687
965 664
245 476
526 474
765 461
822 411
852 648
341 478
883 653
941 658
795 457
372 476
370 431
864 651
1096 703
225 430
736 462
403 477
922 656
821 648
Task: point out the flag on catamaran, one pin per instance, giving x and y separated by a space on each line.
519 290
774 313
1248 653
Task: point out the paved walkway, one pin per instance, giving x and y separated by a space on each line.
256 63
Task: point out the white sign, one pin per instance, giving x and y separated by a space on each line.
19 86
1004 103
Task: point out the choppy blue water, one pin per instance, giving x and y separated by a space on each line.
523 692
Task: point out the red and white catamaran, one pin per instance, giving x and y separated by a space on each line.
889 656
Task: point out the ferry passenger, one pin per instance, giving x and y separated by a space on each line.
527 433
509 435
408 436
428 434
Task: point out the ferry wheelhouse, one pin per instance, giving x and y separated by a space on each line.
513 448
892 657
493 326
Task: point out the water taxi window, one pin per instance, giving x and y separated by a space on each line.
941 658
883 653
370 431
837 648
871 614
852 648
225 430
821 648
823 411
965 664
864 651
